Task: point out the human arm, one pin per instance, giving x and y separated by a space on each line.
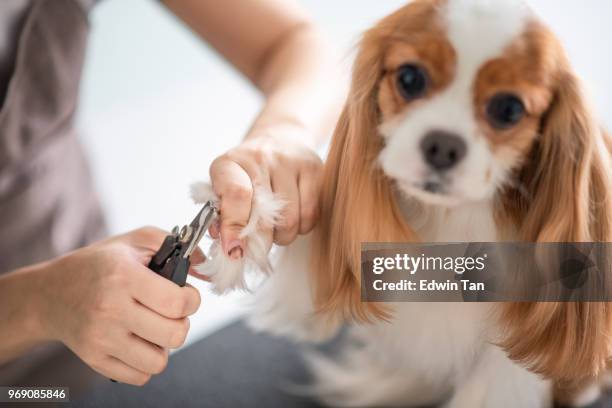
276 46
101 302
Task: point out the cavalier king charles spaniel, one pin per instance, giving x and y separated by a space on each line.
464 123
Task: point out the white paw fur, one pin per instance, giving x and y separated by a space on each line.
227 274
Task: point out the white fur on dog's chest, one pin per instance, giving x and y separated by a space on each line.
451 335
467 223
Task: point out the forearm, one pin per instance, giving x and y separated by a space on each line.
19 326
275 45
302 87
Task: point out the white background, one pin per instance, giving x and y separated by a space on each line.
158 105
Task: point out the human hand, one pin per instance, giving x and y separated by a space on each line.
275 160
113 312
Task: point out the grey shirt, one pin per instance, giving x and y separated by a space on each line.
12 18
47 203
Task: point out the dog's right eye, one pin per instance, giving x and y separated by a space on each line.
412 81
505 110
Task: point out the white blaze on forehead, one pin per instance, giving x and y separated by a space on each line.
480 30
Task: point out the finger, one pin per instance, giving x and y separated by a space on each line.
286 186
215 230
193 271
309 185
196 274
161 331
234 188
146 241
148 238
141 355
113 368
197 257
163 296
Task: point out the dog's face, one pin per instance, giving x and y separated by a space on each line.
465 86
449 101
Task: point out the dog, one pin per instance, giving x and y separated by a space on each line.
465 122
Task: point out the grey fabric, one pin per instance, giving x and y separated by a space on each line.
231 368
12 17
47 203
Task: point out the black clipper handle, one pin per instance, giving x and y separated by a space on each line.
169 261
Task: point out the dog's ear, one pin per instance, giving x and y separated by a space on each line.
567 198
357 200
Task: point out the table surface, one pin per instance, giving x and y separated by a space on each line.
233 367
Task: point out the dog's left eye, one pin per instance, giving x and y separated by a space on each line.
412 81
505 110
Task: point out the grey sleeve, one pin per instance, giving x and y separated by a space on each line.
87 5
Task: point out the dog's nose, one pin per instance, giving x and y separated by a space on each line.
443 150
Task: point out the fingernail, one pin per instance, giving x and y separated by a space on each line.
214 229
234 249
236 253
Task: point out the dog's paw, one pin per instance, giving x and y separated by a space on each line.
202 192
228 274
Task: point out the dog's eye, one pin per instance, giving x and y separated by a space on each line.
505 110
412 81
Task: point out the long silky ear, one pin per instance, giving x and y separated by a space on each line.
357 200
567 199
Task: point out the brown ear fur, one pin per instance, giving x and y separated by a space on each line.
357 202
568 184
